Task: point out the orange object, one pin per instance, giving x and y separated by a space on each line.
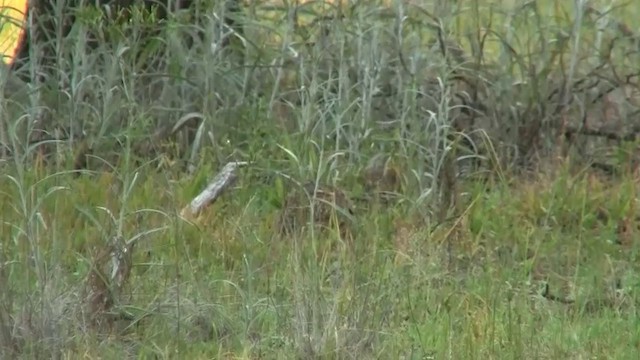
13 19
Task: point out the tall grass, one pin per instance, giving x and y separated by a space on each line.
463 236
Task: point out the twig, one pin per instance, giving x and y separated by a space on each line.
210 194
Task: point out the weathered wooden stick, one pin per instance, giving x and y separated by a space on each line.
210 194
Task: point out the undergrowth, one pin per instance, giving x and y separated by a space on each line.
423 181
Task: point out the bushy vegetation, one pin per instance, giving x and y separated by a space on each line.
426 179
